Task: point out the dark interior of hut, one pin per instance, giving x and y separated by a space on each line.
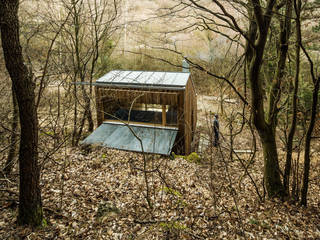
143 113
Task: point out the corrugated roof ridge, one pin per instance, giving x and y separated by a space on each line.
149 71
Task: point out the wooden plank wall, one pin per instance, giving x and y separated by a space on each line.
190 112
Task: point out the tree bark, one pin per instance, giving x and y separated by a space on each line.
272 178
30 206
75 116
275 91
265 127
266 131
12 151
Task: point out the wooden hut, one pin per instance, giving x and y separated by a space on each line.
157 110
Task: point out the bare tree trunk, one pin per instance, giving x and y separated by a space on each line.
81 125
287 170
89 116
80 70
305 184
88 112
14 127
75 117
30 205
266 132
258 32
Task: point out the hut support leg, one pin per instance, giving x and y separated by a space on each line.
164 115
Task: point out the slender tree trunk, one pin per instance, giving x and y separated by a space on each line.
305 184
80 70
89 117
287 170
81 125
14 127
88 112
30 206
77 69
75 116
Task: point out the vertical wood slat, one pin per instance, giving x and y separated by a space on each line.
187 118
180 144
164 115
99 106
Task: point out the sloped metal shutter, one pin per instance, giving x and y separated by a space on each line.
155 139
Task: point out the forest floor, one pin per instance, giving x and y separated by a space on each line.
101 193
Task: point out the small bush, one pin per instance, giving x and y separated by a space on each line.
193 157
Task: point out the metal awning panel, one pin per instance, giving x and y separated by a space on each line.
156 140
145 79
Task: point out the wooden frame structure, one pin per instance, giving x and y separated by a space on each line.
165 89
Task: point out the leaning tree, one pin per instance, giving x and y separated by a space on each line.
30 205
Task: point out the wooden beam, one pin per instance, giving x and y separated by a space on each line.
141 123
164 115
148 97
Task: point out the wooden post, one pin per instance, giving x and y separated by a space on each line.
188 108
99 107
180 140
164 115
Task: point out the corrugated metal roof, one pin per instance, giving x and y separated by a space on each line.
145 78
157 140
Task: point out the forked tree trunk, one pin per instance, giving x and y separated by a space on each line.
265 130
266 133
258 32
30 206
